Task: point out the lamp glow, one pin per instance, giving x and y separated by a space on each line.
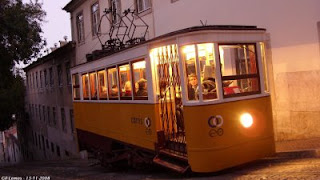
246 120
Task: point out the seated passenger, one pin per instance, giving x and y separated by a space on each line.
192 87
127 88
142 88
114 91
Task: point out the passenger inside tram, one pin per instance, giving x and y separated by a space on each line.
142 88
114 90
192 87
127 89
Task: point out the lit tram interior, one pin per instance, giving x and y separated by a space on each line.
196 99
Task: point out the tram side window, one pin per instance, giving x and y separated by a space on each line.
113 83
139 78
125 81
93 85
102 84
239 70
207 70
85 86
189 55
76 87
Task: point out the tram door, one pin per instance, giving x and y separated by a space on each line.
171 111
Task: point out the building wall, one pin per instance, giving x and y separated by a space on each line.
49 140
293 48
92 43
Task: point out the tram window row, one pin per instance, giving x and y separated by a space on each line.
125 81
235 65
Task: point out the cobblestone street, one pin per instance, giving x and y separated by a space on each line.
302 165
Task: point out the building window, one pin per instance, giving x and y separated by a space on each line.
239 70
35 138
36 111
93 86
67 65
39 137
102 83
85 86
139 78
71 120
40 79
80 27
113 83
40 114
45 78
44 113
63 119
47 143
48 112
95 15
115 11
76 86
52 147
58 150
51 76
143 5
54 116
37 79
59 70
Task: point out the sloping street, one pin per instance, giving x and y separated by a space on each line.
298 165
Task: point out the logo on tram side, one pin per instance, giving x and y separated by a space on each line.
215 123
146 122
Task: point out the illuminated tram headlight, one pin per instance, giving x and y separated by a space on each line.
246 120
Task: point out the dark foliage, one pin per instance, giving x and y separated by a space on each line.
20 41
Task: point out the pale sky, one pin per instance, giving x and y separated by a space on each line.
57 21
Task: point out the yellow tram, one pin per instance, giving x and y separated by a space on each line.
196 98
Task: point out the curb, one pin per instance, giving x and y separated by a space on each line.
313 153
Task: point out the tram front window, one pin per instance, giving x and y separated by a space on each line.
189 53
239 70
206 62
207 70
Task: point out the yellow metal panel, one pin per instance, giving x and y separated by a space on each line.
210 150
123 122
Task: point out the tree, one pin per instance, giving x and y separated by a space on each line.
20 41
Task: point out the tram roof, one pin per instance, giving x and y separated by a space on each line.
98 54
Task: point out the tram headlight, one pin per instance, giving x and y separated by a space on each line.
246 120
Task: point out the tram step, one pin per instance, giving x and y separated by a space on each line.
172 163
177 155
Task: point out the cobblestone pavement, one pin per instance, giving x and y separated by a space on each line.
284 166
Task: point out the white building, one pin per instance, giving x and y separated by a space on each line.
293 46
50 128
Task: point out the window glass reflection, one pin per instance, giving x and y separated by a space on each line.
113 83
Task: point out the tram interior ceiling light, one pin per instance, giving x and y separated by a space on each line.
246 120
